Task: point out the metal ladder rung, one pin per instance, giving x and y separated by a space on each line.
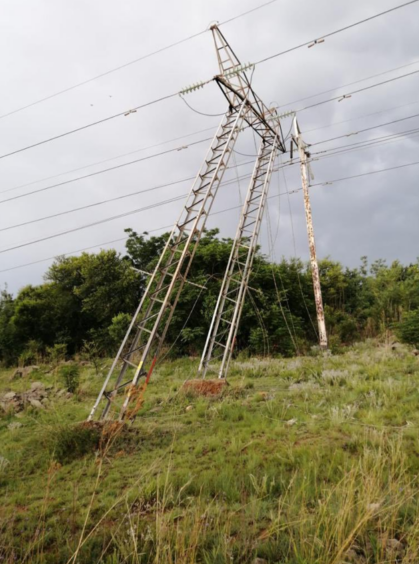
258 195
149 317
194 204
186 222
157 292
144 329
129 362
201 188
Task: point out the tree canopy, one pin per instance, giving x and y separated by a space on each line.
90 299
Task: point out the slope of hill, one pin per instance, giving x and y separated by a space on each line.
305 460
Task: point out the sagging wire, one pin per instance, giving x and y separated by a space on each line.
200 113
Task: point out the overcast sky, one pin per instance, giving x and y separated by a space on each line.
48 46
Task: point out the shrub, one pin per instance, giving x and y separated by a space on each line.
119 327
408 328
70 373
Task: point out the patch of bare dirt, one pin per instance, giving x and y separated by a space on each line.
207 388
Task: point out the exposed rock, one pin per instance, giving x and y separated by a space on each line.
189 408
291 422
36 396
35 403
23 372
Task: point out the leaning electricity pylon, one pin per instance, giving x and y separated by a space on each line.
146 333
305 179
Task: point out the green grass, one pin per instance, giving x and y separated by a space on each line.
301 461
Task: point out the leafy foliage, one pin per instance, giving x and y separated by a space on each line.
409 328
91 298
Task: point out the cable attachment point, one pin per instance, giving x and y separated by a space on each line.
316 42
130 112
281 116
291 113
344 97
192 88
238 69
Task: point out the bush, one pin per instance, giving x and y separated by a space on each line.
119 327
408 328
70 373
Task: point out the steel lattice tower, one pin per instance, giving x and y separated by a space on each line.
147 330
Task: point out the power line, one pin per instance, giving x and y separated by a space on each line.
65 182
159 187
151 206
63 254
348 84
365 146
66 212
108 160
183 137
125 113
122 238
361 117
364 174
210 80
350 94
106 220
340 30
361 144
107 201
248 12
364 130
328 153
129 63
200 113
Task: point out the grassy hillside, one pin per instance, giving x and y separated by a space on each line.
305 460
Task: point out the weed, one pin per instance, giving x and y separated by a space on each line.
70 373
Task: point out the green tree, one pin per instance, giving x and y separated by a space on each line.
408 328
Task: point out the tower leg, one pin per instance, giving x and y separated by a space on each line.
225 321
